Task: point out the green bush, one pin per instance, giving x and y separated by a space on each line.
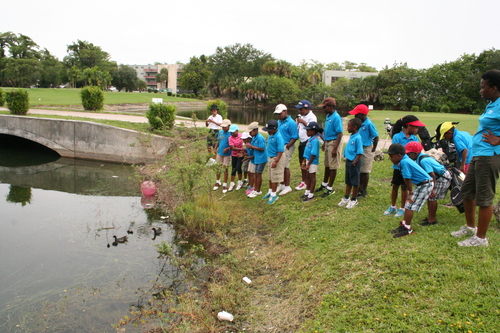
17 101
169 93
2 98
161 116
415 108
445 109
221 104
92 98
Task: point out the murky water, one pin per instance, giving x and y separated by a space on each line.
58 273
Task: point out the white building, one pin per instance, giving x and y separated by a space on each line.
330 76
148 74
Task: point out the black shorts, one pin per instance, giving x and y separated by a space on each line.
212 137
302 148
397 178
352 173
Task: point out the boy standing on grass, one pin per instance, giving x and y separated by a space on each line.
412 174
352 153
289 132
247 154
441 177
304 117
258 145
276 160
223 154
332 146
311 159
369 134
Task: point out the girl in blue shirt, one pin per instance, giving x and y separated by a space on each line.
311 159
404 131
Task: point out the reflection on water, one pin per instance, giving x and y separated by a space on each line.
59 273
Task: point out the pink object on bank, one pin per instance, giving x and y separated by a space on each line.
148 188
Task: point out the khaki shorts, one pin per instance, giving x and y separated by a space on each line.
251 167
224 160
367 159
288 155
276 175
332 163
313 168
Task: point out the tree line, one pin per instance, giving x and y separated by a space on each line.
254 76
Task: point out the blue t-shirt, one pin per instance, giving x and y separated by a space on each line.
463 140
402 139
489 120
353 147
368 132
312 148
333 126
288 129
411 170
429 164
259 156
275 144
223 137
250 154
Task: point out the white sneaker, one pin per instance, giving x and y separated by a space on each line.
216 186
474 241
285 190
254 194
343 202
240 183
280 188
231 187
301 186
224 189
351 204
464 231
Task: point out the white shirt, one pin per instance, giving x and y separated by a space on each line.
302 131
217 119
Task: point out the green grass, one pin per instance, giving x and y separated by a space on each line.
320 268
468 122
69 96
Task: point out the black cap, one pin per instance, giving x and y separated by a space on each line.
214 107
396 149
314 125
271 125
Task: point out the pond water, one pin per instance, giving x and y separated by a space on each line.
60 270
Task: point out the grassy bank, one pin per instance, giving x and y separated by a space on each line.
40 97
316 267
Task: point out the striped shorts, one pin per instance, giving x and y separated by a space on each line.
441 186
420 195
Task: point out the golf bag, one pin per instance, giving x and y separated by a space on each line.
425 138
457 179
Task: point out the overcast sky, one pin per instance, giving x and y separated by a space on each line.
421 33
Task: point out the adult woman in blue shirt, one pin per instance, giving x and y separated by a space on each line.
480 183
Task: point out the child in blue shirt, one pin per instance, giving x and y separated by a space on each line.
311 159
223 154
412 174
404 130
258 145
441 177
276 161
462 141
352 153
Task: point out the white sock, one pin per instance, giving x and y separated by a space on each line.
329 188
311 195
232 184
224 185
324 184
307 192
217 181
406 225
273 194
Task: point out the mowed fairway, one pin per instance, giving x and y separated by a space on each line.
40 97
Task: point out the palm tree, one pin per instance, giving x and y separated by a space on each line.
162 76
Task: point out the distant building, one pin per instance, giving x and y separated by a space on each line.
148 74
330 76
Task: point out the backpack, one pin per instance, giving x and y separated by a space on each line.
457 179
425 138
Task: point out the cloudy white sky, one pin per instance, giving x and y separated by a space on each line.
421 33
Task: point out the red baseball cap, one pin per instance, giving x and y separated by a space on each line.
361 108
414 147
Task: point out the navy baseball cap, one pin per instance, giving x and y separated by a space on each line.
303 104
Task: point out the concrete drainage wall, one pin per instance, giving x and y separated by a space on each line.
88 140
